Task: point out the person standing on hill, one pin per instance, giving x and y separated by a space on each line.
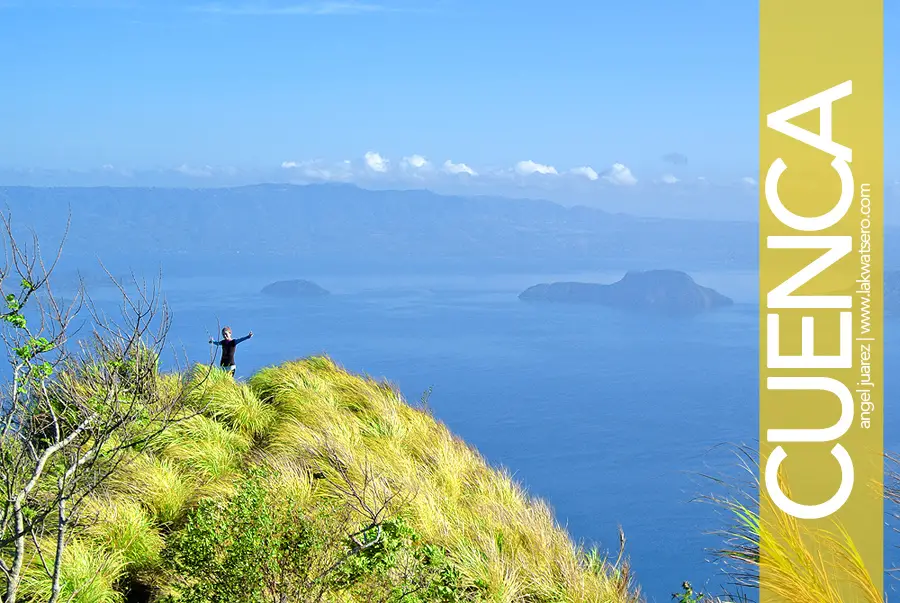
229 346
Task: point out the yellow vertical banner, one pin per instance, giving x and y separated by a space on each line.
821 251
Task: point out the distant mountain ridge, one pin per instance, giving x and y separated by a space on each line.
351 225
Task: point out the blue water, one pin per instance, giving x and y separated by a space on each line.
609 416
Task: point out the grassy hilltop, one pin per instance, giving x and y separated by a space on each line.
254 496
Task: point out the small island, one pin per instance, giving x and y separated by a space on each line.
658 291
297 288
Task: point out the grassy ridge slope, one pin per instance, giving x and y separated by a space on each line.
311 423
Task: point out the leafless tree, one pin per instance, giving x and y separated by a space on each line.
82 398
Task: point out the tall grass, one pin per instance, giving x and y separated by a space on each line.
234 404
797 563
206 449
331 436
334 436
158 485
503 541
89 575
123 528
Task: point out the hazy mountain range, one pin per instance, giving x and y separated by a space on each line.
342 226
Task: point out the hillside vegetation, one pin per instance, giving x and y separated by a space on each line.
308 483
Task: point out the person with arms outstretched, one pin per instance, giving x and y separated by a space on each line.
229 346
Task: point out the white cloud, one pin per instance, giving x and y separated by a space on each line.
620 175
319 173
376 162
586 171
416 162
319 170
344 170
204 172
669 179
749 181
526 168
109 168
458 168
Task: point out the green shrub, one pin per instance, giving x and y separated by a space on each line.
261 546
399 567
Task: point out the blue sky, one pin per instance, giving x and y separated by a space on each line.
213 89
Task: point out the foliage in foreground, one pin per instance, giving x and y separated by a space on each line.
794 570
259 547
311 484
71 412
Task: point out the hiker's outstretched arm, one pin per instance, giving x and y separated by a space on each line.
214 342
242 339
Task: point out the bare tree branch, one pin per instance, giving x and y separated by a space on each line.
74 408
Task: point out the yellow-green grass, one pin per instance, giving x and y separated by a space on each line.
799 564
89 574
310 419
219 397
496 534
123 525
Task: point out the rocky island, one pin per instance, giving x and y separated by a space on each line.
296 288
658 291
